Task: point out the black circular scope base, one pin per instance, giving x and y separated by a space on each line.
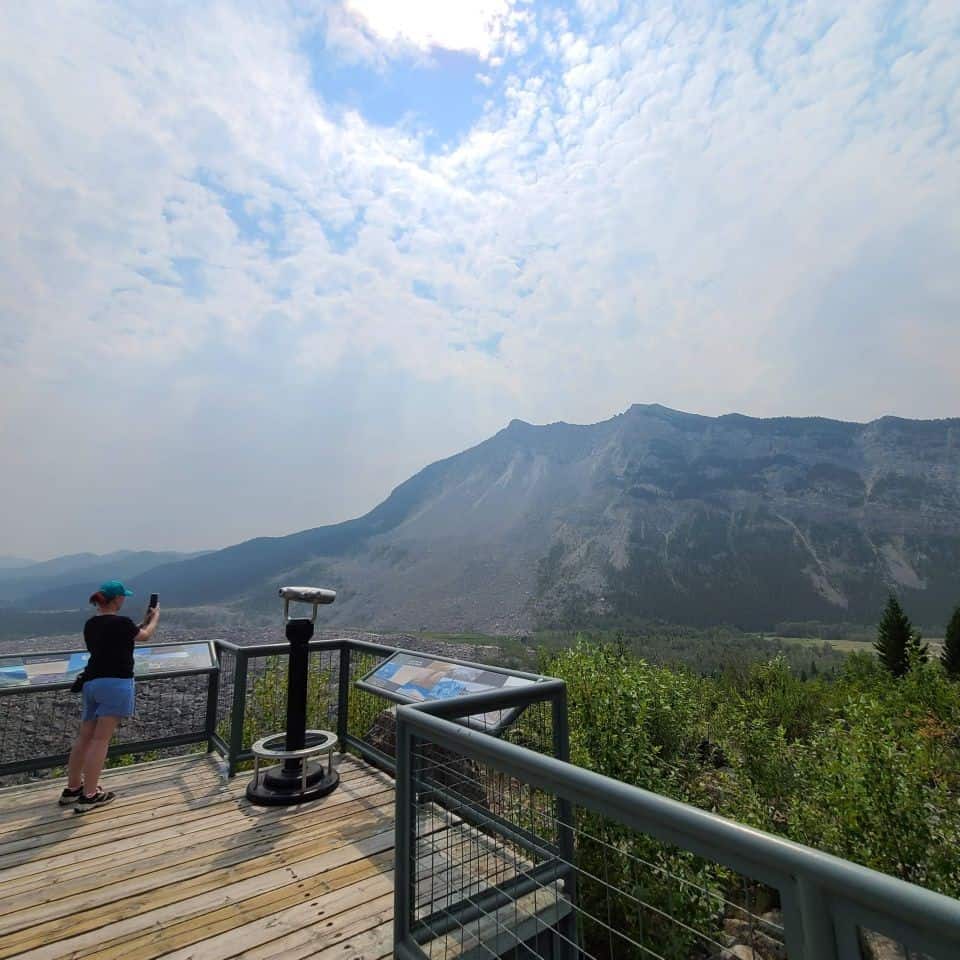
278 789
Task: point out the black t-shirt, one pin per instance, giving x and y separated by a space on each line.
109 638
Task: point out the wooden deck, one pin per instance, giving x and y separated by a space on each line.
182 866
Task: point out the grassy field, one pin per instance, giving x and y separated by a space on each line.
864 645
705 651
846 645
507 644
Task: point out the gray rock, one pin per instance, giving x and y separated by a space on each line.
766 945
875 946
740 951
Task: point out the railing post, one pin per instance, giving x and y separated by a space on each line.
238 711
561 725
565 815
213 700
343 695
816 919
404 839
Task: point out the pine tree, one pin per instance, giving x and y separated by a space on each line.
950 657
894 638
918 652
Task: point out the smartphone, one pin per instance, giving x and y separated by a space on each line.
154 600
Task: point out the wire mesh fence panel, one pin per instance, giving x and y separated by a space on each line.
533 728
265 709
266 683
485 858
37 727
490 872
167 707
639 897
227 659
37 723
370 718
324 668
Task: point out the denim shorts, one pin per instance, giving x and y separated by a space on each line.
108 697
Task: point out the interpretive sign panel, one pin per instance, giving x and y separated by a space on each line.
44 669
40 669
411 678
173 658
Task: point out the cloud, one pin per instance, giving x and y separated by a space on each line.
476 27
715 208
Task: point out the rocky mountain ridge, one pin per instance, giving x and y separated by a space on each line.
651 514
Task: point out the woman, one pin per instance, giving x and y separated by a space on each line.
108 692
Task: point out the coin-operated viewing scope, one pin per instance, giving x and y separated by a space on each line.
312 595
299 778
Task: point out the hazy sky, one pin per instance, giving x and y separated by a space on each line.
259 262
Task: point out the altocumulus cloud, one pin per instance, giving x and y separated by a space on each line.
270 258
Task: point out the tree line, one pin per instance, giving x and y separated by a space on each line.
901 647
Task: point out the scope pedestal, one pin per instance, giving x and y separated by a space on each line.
284 785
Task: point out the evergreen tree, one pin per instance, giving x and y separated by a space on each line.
894 638
918 652
950 657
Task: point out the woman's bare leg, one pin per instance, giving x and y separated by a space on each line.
78 754
97 753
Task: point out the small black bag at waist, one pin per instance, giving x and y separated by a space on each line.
78 682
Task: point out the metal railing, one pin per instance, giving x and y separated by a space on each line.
252 699
503 848
575 864
253 694
174 709
227 708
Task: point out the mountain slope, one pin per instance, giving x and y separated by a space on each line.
86 569
653 513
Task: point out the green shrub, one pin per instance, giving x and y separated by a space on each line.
865 766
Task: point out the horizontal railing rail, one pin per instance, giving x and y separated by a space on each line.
220 707
253 673
827 904
175 708
363 718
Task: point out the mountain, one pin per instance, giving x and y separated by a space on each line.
81 571
13 563
654 513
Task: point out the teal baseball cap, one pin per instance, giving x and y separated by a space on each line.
114 588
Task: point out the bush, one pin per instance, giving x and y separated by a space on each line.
950 657
865 766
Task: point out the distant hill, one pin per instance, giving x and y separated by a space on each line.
79 573
651 514
13 563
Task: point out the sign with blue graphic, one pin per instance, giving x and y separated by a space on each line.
412 678
44 669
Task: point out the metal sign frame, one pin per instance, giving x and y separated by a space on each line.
68 682
493 722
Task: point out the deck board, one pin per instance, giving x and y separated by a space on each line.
182 866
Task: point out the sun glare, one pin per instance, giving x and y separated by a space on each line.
473 27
